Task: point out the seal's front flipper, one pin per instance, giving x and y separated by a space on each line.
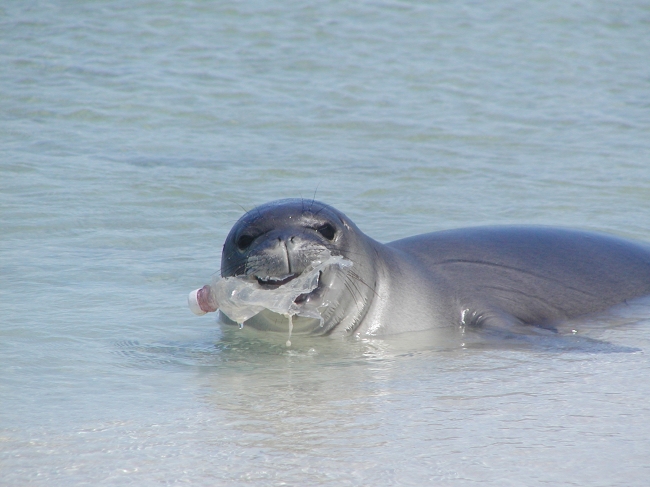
496 328
498 323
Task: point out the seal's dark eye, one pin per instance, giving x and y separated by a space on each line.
244 242
326 231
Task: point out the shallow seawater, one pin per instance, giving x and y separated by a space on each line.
134 134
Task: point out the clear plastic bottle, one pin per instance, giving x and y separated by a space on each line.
241 298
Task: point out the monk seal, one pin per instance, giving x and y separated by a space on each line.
493 276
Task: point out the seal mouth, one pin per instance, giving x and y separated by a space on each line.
269 282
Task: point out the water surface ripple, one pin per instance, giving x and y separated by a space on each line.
133 133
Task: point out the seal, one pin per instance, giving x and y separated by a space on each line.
503 276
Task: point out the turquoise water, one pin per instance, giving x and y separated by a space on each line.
134 134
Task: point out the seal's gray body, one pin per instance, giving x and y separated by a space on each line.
525 275
476 277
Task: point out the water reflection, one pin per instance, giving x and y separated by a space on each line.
316 398
331 410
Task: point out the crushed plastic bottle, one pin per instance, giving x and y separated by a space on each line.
241 298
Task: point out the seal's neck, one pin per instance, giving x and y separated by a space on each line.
347 315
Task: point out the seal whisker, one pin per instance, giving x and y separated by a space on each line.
314 197
351 287
358 278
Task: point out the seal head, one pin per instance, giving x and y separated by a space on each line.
276 242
